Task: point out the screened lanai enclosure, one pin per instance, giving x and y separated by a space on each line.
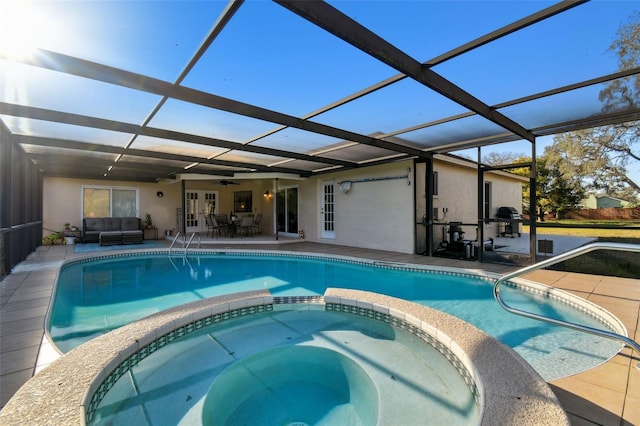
148 91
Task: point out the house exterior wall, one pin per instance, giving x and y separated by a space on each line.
605 202
590 202
458 194
62 202
374 214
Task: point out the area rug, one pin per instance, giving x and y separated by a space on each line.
87 247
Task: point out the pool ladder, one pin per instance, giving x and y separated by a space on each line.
557 259
185 244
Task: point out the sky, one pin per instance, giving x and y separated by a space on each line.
271 58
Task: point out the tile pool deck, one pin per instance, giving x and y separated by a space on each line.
606 395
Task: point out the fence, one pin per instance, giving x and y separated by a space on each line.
610 213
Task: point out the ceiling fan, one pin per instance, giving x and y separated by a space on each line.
228 182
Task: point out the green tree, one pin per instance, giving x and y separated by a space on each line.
555 191
603 156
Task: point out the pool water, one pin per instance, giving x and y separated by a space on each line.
95 297
293 366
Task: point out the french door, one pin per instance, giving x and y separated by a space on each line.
287 210
198 204
328 211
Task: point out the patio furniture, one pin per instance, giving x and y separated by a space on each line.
112 230
210 226
228 223
245 225
255 227
109 238
214 226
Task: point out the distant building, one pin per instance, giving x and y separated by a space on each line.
603 201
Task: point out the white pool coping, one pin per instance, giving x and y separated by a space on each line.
511 391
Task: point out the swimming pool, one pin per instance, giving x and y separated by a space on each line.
72 389
97 295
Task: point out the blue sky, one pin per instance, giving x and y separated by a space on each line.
274 59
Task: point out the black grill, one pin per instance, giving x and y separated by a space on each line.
509 213
509 221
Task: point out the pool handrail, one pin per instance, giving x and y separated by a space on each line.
191 239
557 259
185 244
173 242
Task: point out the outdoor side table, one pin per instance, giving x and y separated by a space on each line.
151 233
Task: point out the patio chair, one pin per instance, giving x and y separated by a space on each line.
222 219
217 227
225 225
255 228
245 225
209 220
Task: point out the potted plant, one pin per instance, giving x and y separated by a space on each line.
66 226
148 222
55 239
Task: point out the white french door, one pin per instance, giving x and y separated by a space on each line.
328 211
198 204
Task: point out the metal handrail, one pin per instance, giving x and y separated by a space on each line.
173 242
191 239
557 259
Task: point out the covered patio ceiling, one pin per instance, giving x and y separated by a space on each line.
144 91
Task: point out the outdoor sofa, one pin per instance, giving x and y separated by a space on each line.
112 230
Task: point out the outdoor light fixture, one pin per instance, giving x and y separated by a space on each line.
267 194
160 194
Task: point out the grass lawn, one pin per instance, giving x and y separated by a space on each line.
605 230
602 262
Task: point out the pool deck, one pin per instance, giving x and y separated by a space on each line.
606 395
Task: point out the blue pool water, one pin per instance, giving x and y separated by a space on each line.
296 366
97 296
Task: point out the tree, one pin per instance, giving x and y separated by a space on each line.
496 158
556 191
603 156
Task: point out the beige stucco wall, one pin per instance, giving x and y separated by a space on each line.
458 192
62 201
374 214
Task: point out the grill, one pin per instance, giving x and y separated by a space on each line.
509 221
509 213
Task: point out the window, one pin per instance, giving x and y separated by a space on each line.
434 183
109 202
242 202
487 200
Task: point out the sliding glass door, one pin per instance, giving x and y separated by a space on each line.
287 210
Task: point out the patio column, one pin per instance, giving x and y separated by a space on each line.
428 186
532 204
481 217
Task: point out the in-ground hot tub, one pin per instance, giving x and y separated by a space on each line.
299 385
75 389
